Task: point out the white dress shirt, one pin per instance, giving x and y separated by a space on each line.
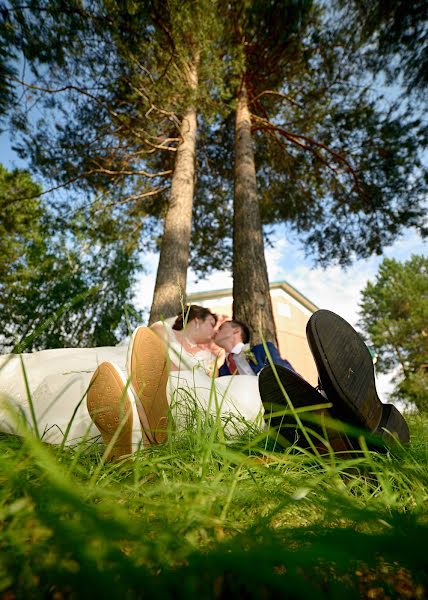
241 360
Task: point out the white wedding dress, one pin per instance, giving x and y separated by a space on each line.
57 381
234 399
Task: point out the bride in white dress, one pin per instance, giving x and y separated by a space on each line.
57 382
234 399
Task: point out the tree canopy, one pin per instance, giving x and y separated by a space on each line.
397 33
113 83
334 159
394 316
331 158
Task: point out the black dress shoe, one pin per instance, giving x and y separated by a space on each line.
392 426
301 395
346 372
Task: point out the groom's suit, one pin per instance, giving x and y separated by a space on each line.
259 359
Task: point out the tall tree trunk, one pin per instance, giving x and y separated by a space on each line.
251 296
174 254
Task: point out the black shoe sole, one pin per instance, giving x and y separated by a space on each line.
346 372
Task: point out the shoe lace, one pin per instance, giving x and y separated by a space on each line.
320 389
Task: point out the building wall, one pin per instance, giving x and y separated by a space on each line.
290 317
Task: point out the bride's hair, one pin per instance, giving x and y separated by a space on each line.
191 312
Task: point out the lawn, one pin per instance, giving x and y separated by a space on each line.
206 517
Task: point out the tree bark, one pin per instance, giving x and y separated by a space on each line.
251 295
171 276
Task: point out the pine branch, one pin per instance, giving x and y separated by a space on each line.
134 197
70 87
310 145
88 173
280 95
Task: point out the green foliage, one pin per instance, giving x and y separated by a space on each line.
394 312
354 200
21 212
53 274
45 264
333 159
112 83
103 120
211 246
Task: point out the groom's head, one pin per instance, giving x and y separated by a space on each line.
231 333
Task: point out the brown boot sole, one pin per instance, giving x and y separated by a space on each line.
148 371
110 409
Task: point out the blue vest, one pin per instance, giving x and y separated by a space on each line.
260 359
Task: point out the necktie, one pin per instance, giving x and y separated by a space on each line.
232 364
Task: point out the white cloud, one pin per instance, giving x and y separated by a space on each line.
333 288
274 256
336 288
407 245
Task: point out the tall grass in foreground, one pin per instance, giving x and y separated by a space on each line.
207 517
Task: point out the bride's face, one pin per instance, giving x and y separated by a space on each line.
204 330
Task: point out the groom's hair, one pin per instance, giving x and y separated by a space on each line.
245 330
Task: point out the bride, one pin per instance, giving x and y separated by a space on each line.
78 393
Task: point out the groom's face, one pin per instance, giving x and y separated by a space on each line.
226 336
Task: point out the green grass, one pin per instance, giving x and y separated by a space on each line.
210 518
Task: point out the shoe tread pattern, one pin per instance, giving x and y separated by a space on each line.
108 404
345 369
149 377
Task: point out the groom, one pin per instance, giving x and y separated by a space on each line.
234 337
346 379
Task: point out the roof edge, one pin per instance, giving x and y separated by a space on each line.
275 285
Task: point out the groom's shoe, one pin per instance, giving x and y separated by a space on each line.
112 409
148 372
301 395
346 372
392 426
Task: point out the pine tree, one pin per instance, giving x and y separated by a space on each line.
341 168
192 29
394 315
126 80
